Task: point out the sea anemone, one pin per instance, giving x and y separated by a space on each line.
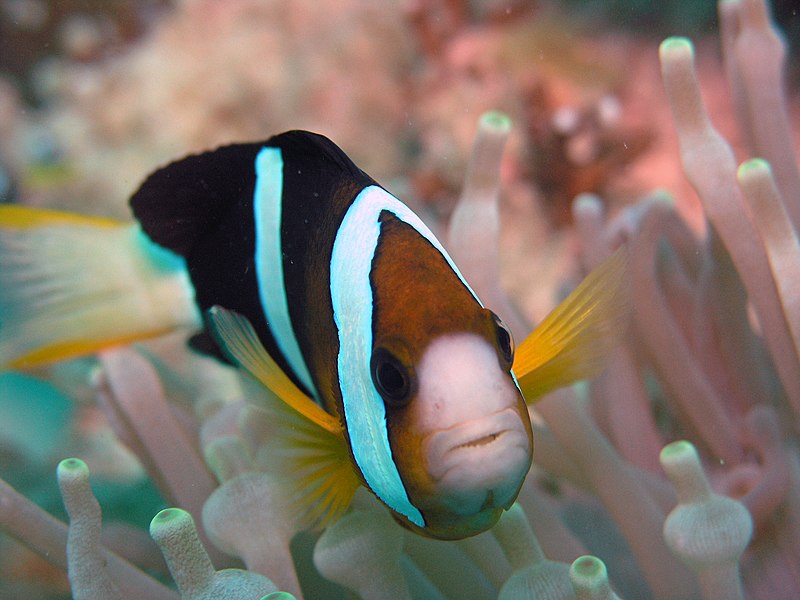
673 475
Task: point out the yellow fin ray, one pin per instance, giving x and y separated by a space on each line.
71 285
239 339
575 339
322 483
14 216
320 476
306 446
75 348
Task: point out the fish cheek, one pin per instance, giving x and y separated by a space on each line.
406 442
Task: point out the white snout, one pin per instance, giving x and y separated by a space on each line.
479 464
476 445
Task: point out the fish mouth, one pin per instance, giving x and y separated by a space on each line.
480 440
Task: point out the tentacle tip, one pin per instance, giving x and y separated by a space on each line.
677 47
754 167
167 519
495 121
679 451
588 573
662 196
590 566
72 465
72 469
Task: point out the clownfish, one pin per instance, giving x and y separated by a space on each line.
387 369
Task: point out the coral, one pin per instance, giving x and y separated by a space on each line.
710 357
115 119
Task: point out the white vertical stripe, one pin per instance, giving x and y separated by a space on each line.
267 207
351 293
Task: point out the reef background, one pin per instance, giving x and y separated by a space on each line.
94 95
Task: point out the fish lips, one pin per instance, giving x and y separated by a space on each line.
481 464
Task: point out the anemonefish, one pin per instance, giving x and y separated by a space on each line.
333 293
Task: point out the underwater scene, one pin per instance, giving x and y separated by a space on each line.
410 299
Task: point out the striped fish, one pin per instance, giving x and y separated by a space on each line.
388 371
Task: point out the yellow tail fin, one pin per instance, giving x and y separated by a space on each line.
575 339
71 285
307 445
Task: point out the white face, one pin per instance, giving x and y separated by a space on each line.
473 434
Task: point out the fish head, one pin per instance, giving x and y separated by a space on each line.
458 427
450 444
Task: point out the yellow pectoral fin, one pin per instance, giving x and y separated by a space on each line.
237 337
14 216
307 447
312 462
575 339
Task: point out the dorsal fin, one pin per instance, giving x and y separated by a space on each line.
180 203
204 208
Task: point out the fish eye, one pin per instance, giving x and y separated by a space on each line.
505 341
391 378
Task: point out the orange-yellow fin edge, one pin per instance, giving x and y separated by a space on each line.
307 447
15 216
70 349
574 340
238 338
